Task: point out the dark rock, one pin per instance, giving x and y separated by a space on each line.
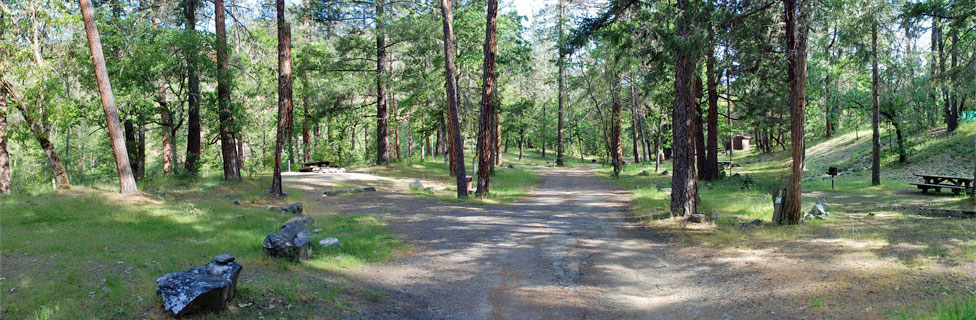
295 208
511 166
736 175
205 288
698 218
644 173
224 258
237 202
292 242
664 173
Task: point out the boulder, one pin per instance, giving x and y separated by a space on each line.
237 202
205 288
818 211
292 242
664 173
416 185
511 166
295 208
698 218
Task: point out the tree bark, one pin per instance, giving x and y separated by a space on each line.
228 146
875 108
684 200
616 143
698 127
796 51
4 155
454 124
193 131
127 182
711 119
498 133
284 96
382 125
561 64
633 121
487 106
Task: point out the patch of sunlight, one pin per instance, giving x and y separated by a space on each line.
851 244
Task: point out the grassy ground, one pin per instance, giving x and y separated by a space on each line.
86 253
507 184
879 224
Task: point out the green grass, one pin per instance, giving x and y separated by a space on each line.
956 309
84 253
507 184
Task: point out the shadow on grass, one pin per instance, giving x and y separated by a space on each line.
84 253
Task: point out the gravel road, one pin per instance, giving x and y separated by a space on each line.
565 251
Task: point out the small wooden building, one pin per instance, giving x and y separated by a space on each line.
741 142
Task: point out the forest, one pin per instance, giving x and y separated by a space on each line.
547 158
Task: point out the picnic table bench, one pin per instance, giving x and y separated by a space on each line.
937 182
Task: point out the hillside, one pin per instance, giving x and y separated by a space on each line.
931 152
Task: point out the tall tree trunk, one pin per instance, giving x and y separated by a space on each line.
697 130
711 119
616 143
166 119
498 133
228 147
487 106
140 169
633 121
284 95
796 51
454 123
561 64
521 142
875 108
4 155
382 126
684 199
952 122
193 131
127 183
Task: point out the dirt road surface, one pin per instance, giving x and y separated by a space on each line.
565 251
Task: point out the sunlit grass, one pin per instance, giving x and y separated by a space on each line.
84 253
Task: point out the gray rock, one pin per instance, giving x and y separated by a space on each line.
270 208
715 215
752 223
224 258
329 242
237 202
317 230
664 173
818 211
698 218
511 166
292 242
416 185
205 288
295 208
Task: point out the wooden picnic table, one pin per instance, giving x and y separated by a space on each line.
938 182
